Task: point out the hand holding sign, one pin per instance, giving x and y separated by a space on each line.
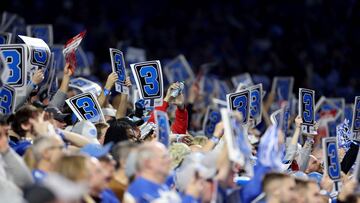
70 48
111 81
38 77
118 66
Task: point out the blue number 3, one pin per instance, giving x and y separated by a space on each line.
240 103
255 103
88 106
308 108
40 56
357 116
119 67
13 59
5 101
214 118
150 75
333 164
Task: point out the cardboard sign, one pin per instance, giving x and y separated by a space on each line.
240 101
356 119
234 152
212 117
222 89
331 158
39 53
7 100
70 48
149 81
4 70
5 37
306 110
179 70
118 66
256 103
243 78
283 87
86 107
329 109
85 85
163 127
45 84
15 57
44 32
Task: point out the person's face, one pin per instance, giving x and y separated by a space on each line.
314 165
109 169
161 162
102 137
131 134
288 193
4 130
97 180
313 193
137 132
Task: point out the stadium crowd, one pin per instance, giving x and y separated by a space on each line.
48 154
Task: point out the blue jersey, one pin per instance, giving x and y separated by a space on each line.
143 190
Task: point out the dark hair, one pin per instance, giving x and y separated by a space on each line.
22 116
117 132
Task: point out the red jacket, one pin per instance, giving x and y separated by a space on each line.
180 124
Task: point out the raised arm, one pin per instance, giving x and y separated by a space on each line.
121 109
108 86
36 79
60 96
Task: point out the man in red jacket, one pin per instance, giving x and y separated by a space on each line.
181 115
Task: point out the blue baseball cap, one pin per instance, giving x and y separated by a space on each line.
96 150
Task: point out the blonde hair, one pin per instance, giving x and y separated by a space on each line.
177 153
73 167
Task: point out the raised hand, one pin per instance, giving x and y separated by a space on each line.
112 78
38 77
128 82
68 71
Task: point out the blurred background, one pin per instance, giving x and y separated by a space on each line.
316 41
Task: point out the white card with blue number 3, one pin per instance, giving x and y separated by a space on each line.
118 66
307 110
15 56
86 107
7 100
149 81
